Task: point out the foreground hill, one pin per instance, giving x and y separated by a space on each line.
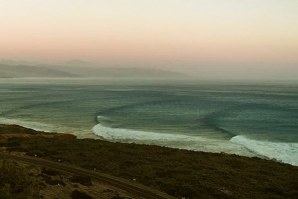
21 180
180 173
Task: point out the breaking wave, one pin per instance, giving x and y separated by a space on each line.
283 152
28 124
240 145
195 143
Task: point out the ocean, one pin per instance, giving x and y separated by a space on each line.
250 119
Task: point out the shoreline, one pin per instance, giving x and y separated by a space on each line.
238 145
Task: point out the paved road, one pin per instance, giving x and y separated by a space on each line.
136 189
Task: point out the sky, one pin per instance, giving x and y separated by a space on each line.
255 37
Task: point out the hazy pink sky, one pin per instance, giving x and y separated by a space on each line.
221 34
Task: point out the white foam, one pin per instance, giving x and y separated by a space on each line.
195 143
127 134
48 128
100 118
284 152
28 124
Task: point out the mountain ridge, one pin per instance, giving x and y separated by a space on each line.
77 68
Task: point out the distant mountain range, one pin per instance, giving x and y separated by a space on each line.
77 68
7 71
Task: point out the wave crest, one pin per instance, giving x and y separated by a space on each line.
31 125
240 145
284 152
194 143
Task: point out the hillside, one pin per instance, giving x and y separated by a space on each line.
177 172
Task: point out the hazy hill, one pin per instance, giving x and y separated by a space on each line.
119 72
7 70
90 69
77 68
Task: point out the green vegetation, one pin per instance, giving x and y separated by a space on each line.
14 183
14 129
80 195
83 180
50 172
177 172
